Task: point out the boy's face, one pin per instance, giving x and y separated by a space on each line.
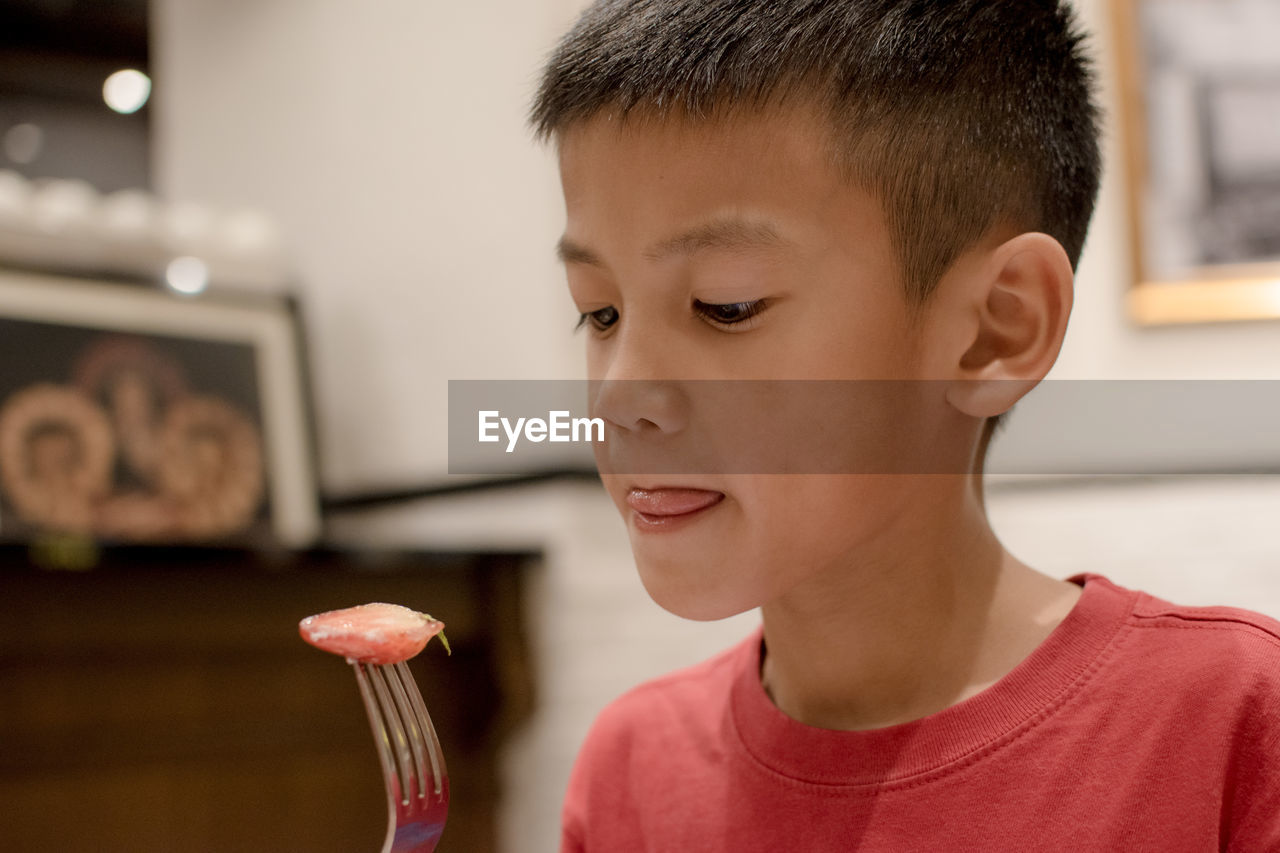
729 250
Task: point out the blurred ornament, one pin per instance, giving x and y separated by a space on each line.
63 205
129 214
15 197
212 465
127 225
67 225
56 456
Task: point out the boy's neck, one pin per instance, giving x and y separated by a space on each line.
925 619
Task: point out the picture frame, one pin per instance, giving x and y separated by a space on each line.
1200 115
129 414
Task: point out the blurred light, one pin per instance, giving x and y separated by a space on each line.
187 275
1273 288
127 90
22 142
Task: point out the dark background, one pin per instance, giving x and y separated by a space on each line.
54 57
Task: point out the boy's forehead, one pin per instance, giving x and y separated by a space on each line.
752 182
795 132
680 167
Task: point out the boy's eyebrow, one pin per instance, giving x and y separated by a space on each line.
570 252
732 234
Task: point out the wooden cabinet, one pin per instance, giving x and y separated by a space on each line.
163 701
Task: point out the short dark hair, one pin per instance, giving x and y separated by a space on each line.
957 114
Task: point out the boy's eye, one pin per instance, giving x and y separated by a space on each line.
729 314
600 319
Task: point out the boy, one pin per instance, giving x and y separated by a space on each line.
870 190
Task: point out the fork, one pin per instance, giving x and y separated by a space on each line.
412 762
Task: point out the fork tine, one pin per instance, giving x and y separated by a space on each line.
385 756
395 728
423 721
405 740
400 687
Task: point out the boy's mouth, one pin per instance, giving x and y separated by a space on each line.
663 508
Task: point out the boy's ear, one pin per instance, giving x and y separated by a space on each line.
1015 306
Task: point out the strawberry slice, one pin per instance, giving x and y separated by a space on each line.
372 633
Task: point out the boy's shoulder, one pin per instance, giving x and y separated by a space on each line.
1185 663
1152 612
1207 632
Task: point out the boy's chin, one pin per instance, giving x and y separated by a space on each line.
689 595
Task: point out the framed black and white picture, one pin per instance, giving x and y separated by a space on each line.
1201 116
131 415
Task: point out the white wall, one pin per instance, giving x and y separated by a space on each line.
389 140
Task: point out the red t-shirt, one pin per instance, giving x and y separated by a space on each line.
1136 726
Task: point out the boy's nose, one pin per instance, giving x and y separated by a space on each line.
639 392
640 406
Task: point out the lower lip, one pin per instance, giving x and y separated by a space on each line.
667 509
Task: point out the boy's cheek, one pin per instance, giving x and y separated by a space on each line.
769 537
804 523
679 433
